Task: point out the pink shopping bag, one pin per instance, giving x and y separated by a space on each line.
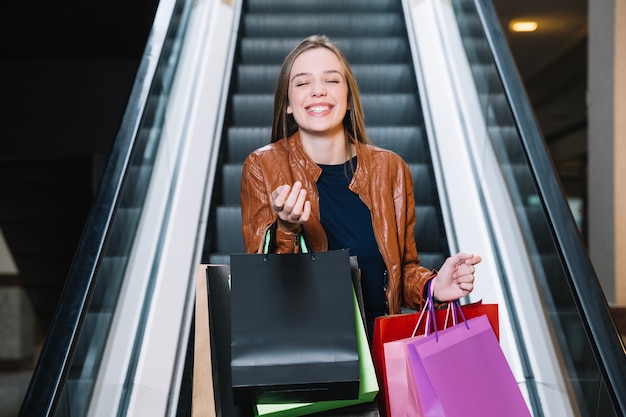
401 398
462 372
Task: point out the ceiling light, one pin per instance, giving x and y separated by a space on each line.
523 25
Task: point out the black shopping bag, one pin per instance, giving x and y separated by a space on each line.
293 333
218 287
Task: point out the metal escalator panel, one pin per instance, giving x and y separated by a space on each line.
373 37
589 345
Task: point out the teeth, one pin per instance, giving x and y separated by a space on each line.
319 109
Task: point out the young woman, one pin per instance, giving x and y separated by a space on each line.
320 173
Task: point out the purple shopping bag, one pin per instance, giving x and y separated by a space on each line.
462 372
401 326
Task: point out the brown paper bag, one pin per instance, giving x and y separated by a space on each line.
203 398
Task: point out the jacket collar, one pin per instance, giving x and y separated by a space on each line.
361 175
301 157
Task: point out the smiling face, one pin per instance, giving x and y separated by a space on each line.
318 93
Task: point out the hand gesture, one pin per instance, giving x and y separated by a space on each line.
455 279
291 206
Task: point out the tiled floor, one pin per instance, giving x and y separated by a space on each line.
13 386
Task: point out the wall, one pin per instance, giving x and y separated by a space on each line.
607 150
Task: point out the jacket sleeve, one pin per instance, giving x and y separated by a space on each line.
256 211
415 277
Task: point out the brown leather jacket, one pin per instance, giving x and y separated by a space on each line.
383 182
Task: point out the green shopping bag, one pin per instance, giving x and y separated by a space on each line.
368 387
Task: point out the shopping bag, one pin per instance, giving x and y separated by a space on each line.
367 390
461 371
212 393
293 330
400 399
218 283
402 326
203 395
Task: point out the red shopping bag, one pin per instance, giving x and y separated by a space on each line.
470 355
401 326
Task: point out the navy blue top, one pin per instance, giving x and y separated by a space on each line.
348 225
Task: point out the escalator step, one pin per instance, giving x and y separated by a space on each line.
428 233
257 79
391 109
228 239
333 25
231 182
252 109
393 78
264 6
423 185
431 260
384 79
243 140
406 141
358 51
380 109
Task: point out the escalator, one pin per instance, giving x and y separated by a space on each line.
373 37
381 40
68 364
589 345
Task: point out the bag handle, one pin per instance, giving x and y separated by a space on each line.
269 245
451 312
454 310
428 307
453 307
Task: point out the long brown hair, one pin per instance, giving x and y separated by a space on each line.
284 125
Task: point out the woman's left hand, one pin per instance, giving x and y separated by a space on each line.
455 279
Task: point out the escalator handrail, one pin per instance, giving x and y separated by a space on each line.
52 367
582 280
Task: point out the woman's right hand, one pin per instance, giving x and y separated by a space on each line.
291 206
